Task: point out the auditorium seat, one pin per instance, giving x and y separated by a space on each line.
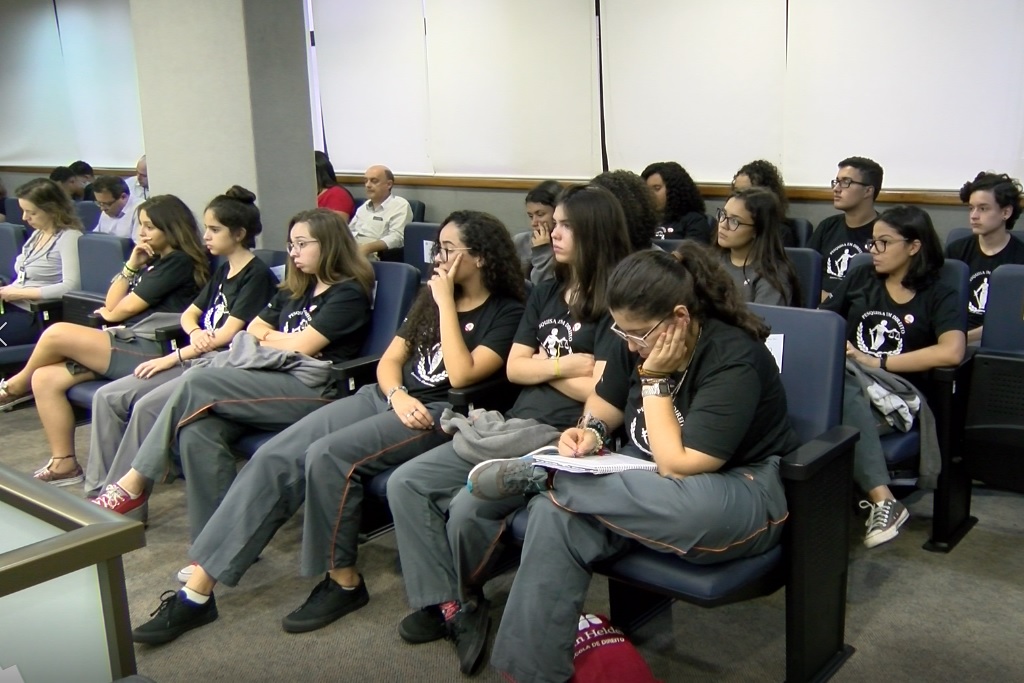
812 560
89 214
12 211
807 264
802 230
419 241
12 239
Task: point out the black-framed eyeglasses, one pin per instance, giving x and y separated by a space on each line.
846 182
445 252
299 246
107 205
880 245
731 222
639 341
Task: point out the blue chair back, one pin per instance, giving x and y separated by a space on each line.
802 230
12 211
101 257
807 264
89 213
419 210
271 257
954 274
960 233
395 288
12 238
1004 312
358 201
813 362
419 241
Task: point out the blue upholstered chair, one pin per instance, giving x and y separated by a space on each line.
994 426
12 239
807 264
100 258
88 213
419 241
802 229
12 211
811 562
419 210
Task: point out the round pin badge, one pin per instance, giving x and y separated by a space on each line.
576 327
469 327
908 319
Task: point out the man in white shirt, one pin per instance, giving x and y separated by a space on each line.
380 222
117 204
138 184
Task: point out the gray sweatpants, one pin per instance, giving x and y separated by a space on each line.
706 518
869 467
320 460
207 411
447 539
123 413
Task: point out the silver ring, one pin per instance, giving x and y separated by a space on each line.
410 413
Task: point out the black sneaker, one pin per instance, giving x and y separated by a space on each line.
327 603
504 478
469 631
174 616
423 626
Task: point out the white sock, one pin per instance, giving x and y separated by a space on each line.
194 597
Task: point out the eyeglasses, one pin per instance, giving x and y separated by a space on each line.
639 342
445 252
880 245
299 246
107 205
846 182
731 222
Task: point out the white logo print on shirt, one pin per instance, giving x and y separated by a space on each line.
979 292
880 334
297 321
217 314
429 370
638 430
558 341
839 258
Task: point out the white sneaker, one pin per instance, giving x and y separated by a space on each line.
884 521
185 573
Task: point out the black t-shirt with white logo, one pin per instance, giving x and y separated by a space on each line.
167 285
242 296
492 324
341 313
691 226
981 266
548 325
838 243
731 403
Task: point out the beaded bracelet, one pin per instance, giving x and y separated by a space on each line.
597 435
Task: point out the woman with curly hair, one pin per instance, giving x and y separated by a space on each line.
678 200
458 333
762 173
637 202
449 540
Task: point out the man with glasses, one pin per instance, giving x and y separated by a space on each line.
117 205
380 222
841 237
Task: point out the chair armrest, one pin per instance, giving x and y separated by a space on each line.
951 375
173 336
50 310
96 320
493 393
350 375
807 460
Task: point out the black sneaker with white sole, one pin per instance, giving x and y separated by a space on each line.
327 603
174 616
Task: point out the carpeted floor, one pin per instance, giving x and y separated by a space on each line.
913 615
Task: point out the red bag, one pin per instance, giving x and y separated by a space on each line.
603 655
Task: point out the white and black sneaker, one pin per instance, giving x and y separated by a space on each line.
884 521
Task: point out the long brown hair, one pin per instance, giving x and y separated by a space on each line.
172 216
51 199
340 258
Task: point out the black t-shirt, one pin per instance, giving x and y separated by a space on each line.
167 285
878 326
731 403
492 324
981 266
547 324
838 243
691 226
341 313
242 296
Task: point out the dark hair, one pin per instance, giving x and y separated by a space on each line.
113 185
763 173
172 216
869 170
484 236
1005 189
681 193
767 256
388 174
325 175
81 168
236 209
652 283
637 202
913 223
340 258
600 240
62 174
50 198
545 193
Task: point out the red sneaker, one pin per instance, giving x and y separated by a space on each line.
117 499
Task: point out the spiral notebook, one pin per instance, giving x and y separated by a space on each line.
590 464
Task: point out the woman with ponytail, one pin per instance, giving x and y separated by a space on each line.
705 404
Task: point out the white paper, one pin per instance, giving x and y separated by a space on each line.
428 251
11 675
774 342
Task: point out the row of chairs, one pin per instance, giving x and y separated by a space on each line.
88 213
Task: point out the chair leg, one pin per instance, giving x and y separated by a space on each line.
951 508
632 607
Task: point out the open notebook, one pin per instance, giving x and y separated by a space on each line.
589 464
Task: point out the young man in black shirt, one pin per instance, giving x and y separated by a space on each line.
994 201
841 237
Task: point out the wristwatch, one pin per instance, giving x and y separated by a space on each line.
661 387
